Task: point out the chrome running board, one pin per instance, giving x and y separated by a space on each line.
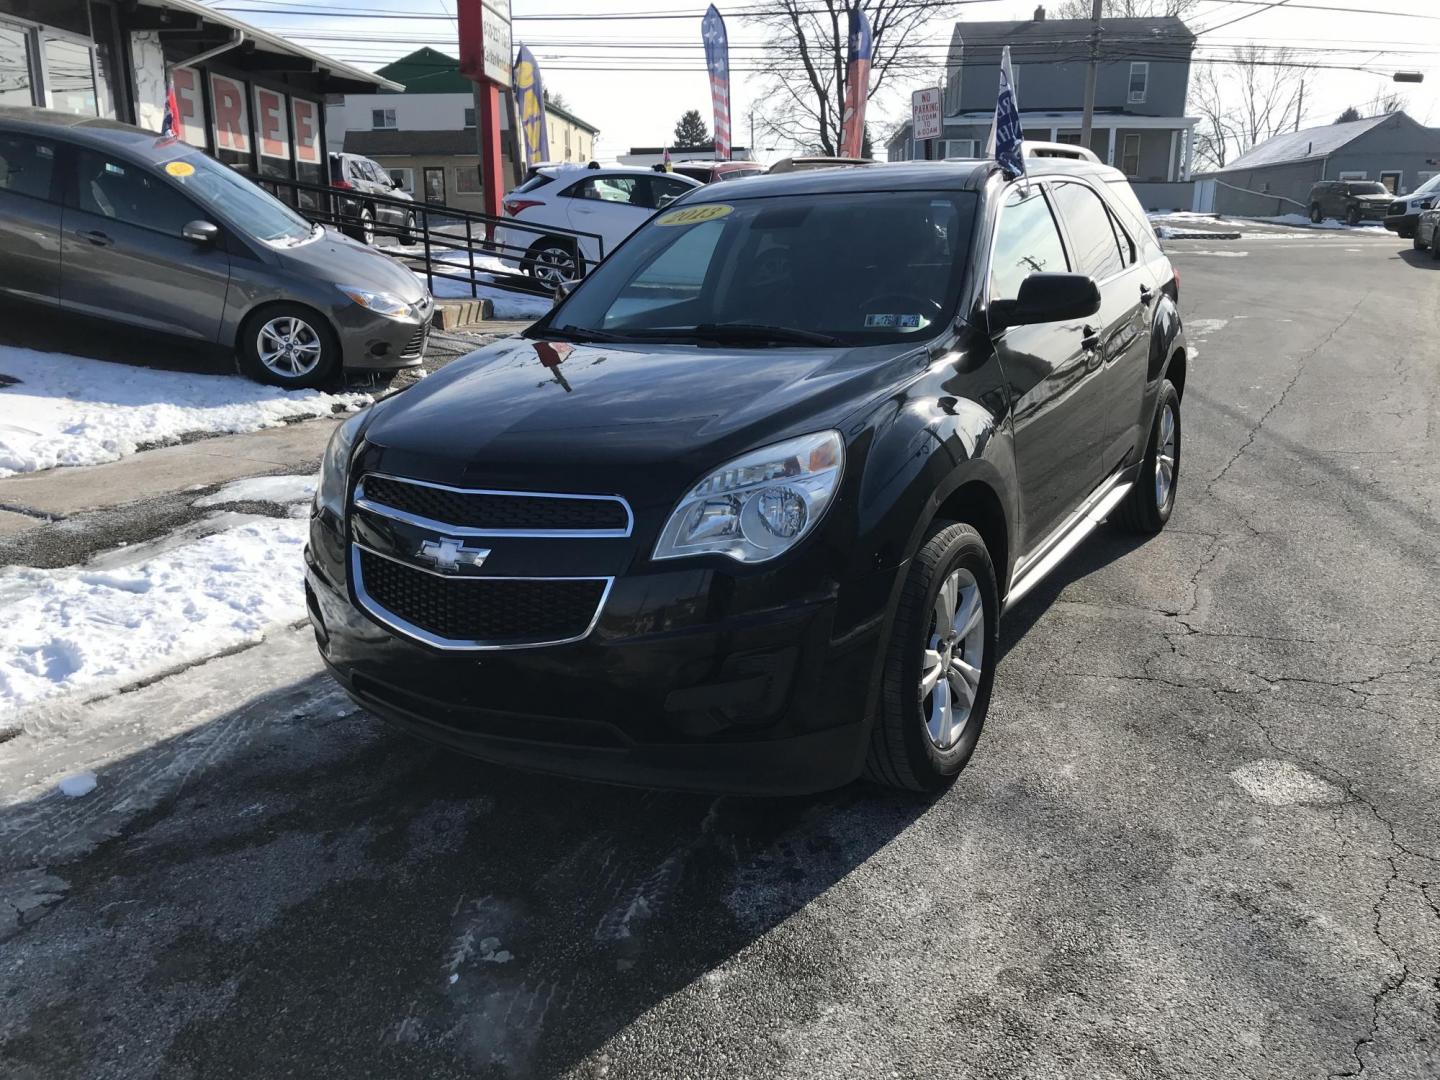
1030 572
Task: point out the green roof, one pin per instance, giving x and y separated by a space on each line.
429 71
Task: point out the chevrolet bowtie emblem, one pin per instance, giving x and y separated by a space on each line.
450 555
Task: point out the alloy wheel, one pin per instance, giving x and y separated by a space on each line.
367 227
954 659
289 347
554 266
1165 457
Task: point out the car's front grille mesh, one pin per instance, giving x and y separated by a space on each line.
482 609
415 347
497 510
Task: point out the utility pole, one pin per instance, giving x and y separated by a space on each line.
1300 105
1089 117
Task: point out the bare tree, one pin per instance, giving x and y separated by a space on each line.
1243 100
803 64
1126 9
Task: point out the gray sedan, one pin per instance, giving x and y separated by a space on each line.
104 220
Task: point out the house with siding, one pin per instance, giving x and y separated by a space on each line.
1142 80
1274 177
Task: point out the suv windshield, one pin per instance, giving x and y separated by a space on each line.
250 209
858 268
1372 188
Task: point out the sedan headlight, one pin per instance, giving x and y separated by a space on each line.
335 467
758 506
382 303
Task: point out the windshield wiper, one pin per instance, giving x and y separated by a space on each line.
579 333
738 332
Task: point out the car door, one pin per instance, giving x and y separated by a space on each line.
30 219
611 206
1058 408
123 256
1101 248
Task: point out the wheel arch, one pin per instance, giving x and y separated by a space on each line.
247 318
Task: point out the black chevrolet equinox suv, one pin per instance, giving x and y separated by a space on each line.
743 511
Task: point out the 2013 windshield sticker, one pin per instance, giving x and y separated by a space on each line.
180 168
694 215
892 322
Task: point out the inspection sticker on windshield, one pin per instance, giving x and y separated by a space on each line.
180 168
891 322
693 215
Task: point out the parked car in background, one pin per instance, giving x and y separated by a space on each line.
1427 232
801 164
358 177
820 431
1404 213
1350 201
610 203
713 172
104 220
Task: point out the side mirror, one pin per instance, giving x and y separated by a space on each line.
1046 298
201 232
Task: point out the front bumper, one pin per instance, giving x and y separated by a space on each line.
680 685
1402 223
371 342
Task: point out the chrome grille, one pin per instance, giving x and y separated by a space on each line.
486 512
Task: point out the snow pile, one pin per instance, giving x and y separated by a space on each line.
508 305
72 410
271 489
94 629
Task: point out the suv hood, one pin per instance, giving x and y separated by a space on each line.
338 259
1372 199
552 416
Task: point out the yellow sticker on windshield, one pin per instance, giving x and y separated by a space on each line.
180 168
693 215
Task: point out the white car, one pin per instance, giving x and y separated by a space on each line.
606 202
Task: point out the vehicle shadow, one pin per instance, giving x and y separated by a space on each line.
1415 257
340 899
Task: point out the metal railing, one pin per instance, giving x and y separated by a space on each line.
437 231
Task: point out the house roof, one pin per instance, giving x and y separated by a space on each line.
1305 144
1038 32
342 77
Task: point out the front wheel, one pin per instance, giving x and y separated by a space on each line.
1315 215
288 345
940 664
552 263
1352 216
1148 506
1417 244
407 231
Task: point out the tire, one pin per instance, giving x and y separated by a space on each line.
1416 244
407 231
550 261
1148 506
366 228
904 751
1352 216
1315 215
259 348
1435 244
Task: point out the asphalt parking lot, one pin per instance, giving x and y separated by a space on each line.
1199 837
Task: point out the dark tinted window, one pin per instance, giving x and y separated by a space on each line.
124 192
1026 242
1370 188
1097 252
539 180
665 189
26 165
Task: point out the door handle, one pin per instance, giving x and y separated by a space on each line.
99 239
1091 341
1146 295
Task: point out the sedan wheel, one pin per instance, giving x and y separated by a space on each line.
367 227
289 347
1165 457
953 659
553 265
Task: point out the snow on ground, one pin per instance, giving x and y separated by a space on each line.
72 410
271 489
93 628
1167 222
508 305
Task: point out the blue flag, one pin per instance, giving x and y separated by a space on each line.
1006 135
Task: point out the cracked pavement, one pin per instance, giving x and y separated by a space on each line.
1199 838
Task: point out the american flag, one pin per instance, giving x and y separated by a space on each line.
170 125
857 86
717 59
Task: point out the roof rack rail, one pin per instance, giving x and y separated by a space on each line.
1032 148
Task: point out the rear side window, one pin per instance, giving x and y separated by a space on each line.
27 165
665 190
1097 252
127 193
1026 242
539 180
616 189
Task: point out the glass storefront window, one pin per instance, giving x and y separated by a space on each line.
69 77
107 66
15 83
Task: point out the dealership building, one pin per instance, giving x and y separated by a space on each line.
253 100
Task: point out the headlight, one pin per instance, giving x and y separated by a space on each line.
759 506
382 303
335 467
